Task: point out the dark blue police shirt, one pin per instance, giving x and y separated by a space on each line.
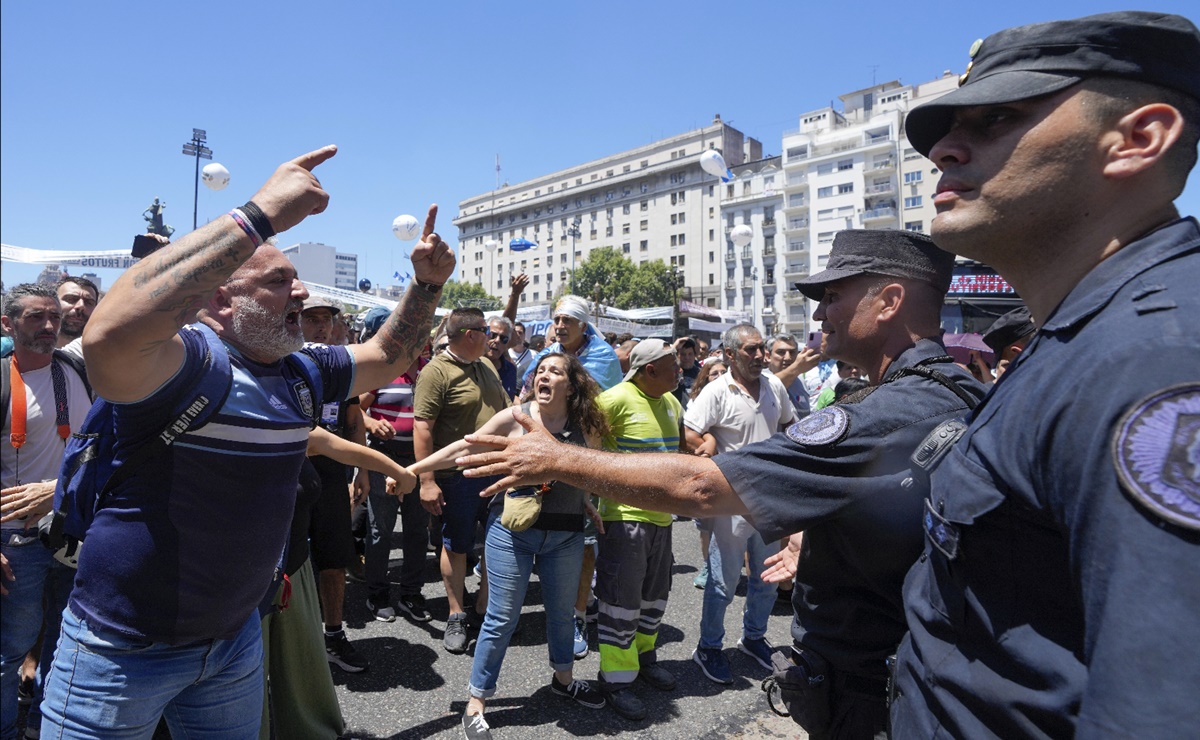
1070 603
837 475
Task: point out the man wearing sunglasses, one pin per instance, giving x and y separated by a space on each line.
500 335
455 394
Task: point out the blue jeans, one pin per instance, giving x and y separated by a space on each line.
725 553
38 575
509 556
104 684
382 510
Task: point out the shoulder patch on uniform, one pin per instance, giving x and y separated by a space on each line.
822 428
1156 453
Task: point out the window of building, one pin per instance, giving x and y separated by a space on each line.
913 202
674 243
625 209
645 187
643 246
624 228
825 169
579 181
845 164
626 168
711 234
592 199
644 225
712 257
608 173
914 225
910 177
645 163
625 247
825 237
846 187
610 194
825 192
608 231
536 279
729 191
682 239
644 205
825 214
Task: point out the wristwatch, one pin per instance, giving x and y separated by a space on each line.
431 287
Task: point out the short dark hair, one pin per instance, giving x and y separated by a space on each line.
81 282
1116 96
13 310
463 318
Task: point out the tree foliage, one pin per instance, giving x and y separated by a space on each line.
622 283
459 295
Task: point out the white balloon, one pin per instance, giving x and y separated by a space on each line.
713 163
741 235
215 176
406 228
490 245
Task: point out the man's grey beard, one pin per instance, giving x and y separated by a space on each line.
262 332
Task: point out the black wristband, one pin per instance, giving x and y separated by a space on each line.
431 287
258 220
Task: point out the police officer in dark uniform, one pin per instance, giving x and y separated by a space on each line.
839 475
1059 591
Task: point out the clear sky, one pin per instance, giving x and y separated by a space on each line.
96 99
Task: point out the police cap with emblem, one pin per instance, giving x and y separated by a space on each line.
1045 58
1014 325
902 254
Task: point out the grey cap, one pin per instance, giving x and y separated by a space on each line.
646 352
315 302
1044 58
902 254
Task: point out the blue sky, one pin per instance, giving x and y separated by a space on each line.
96 99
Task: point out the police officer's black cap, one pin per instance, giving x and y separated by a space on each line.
1007 329
1045 58
902 254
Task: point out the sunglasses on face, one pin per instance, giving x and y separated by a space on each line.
487 332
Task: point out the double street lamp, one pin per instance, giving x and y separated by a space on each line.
196 148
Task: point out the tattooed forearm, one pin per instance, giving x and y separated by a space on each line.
407 329
204 267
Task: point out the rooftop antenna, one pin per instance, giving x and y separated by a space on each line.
873 68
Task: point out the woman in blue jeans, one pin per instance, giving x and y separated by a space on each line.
561 398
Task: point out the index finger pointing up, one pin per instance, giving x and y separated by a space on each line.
429 222
312 159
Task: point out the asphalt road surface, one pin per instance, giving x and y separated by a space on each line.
415 689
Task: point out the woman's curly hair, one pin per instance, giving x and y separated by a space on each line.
581 403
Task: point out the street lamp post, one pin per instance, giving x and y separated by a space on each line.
195 148
574 233
676 280
754 296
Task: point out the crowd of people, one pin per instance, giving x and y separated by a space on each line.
968 551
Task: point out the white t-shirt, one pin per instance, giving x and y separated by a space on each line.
40 458
736 419
824 375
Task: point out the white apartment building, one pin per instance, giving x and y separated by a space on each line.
850 169
323 264
650 203
753 275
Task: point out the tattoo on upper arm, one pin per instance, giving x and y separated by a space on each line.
407 329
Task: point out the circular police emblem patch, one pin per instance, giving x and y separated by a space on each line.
1156 453
822 428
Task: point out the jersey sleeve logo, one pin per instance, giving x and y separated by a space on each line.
1156 453
825 427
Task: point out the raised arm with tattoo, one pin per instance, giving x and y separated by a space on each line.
404 334
130 342
667 482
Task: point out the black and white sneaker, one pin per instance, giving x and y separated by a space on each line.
341 653
413 607
475 727
383 613
581 691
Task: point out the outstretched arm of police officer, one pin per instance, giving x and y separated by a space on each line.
131 343
404 334
667 482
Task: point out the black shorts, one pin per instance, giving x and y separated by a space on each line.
330 538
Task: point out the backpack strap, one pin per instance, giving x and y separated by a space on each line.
75 362
309 389
5 389
192 412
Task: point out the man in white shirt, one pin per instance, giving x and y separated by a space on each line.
744 406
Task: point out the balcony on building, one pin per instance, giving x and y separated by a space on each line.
878 213
768 224
748 284
797 180
796 202
731 255
797 250
768 253
730 284
880 164
880 189
797 224
795 271
747 253
768 287
794 298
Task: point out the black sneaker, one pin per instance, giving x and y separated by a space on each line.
383 613
581 691
657 676
25 692
625 703
357 570
413 607
341 653
475 727
455 636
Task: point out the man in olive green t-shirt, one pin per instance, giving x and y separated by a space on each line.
455 394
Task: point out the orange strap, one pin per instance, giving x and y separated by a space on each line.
19 409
